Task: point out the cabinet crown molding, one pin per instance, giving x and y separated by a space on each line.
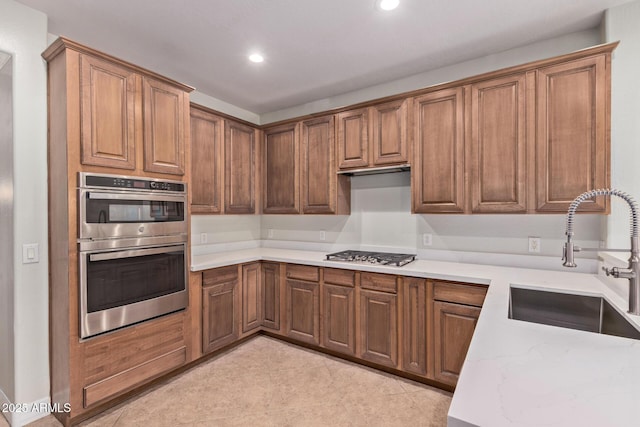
62 43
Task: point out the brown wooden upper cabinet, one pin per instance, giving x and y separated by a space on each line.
127 117
322 191
515 142
108 123
281 170
572 147
241 168
207 161
164 122
438 144
498 145
373 136
299 169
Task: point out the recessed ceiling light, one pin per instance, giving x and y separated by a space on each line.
388 4
256 57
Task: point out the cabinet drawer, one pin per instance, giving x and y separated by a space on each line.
133 377
303 272
220 275
379 282
339 277
461 293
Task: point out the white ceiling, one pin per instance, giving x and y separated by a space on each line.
313 49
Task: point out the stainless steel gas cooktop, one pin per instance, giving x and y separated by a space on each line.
380 258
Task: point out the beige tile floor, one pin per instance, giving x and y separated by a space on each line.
266 382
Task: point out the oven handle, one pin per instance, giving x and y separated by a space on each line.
128 196
134 253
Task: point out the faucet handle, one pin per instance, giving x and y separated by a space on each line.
613 271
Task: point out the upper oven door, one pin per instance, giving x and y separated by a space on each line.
109 214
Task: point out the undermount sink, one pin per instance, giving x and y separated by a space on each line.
581 312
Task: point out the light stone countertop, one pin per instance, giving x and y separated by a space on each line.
516 373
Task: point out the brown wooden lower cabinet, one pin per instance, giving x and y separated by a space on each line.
303 311
271 295
414 317
220 313
453 328
379 327
251 297
339 323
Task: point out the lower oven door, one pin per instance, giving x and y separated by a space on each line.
122 287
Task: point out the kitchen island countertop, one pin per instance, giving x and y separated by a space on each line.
515 373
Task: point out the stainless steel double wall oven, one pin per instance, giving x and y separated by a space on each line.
132 250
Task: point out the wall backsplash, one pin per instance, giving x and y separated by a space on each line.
381 218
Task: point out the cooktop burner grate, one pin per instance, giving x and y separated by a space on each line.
380 258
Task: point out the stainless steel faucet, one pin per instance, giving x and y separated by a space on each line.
632 272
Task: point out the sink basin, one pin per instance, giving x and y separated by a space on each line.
581 312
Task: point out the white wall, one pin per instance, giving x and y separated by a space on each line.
23 33
7 384
621 23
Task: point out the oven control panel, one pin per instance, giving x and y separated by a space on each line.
130 183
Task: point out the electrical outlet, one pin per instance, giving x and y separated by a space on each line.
323 235
270 233
427 239
534 244
203 238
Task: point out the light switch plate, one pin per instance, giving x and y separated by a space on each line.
30 253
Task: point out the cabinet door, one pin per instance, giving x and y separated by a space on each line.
251 297
271 295
207 165
164 133
414 354
572 149
338 332
318 166
498 145
389 133
438 143
240 168
303 311
281 176
379 327
453 328
220 315
108 98
353 139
